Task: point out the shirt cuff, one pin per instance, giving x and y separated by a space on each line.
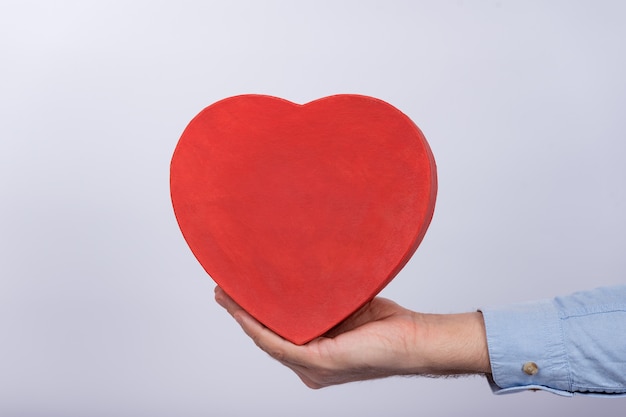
526 348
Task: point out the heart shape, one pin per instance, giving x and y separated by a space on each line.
302 213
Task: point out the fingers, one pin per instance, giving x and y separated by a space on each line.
225 301
274 345
245 320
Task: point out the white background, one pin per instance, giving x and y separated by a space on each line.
103 309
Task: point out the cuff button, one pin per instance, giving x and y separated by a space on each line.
530 368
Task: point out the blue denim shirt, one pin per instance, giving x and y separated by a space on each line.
568 345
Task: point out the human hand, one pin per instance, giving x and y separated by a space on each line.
381 339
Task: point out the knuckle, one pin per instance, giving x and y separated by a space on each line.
276 353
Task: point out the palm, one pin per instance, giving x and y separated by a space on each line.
362 343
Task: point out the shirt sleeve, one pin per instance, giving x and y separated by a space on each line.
568 345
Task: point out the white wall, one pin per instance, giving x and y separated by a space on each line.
103 309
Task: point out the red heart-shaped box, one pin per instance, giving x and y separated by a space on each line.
302 213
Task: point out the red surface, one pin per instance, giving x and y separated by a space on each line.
302 213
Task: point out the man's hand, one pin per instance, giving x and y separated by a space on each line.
381 339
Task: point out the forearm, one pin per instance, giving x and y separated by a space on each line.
453 344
